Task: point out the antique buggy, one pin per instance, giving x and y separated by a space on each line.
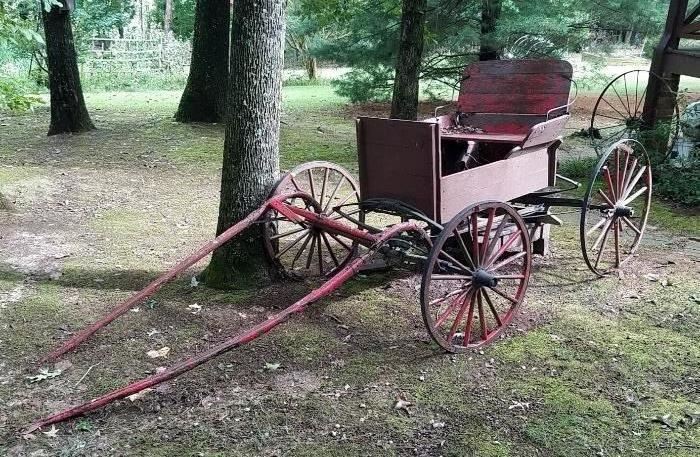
465 198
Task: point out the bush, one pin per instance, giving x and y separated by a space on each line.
366 85
679 183
15 95
580 168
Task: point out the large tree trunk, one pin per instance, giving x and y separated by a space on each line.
490 13
251 149
404 103
68 111
204 98
168 17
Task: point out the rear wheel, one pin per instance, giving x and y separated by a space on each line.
616 207
297 249
476 276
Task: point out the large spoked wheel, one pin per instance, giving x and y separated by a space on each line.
476 276
618 114
616 207
298 250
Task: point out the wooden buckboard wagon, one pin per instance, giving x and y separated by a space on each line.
464 198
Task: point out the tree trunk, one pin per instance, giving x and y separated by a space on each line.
168 17
404 103
68 111
204 98
311 67
251 149
490 13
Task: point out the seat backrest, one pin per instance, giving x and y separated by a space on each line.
515 87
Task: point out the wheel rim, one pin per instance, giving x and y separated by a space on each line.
618 114
473 286
616 207
298 250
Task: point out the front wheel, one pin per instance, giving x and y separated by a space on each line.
476 276
616 207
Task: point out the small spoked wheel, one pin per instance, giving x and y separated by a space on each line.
616 207
618 114
298 250
476 276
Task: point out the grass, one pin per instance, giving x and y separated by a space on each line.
589 367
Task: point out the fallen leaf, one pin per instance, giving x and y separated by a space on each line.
194 282
519 404
163 352
195 308
28 436
665 420
272 366
44 374
138 395
651 277
51 433
438 425
402 404
693 416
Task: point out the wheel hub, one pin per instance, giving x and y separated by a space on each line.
482 278
623 211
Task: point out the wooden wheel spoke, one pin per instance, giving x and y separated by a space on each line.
622 116
451 278
323 186
470 322
507 261
605 197
493 308
617 171
474 233
598 225
291 232
330 250
621 101
504 295
634 182
634 196
617 243
464 249
608 181
311 183
496 237
445 297
631 225
340 242
292 244
482 318
311 251
451 307
458 319
602 233
333 194
455 261
628 178
509 242
623 178
605 240
487 232
349 196
297 256
296 184
499 277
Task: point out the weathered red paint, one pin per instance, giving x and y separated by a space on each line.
235 341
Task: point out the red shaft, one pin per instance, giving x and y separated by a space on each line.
238 340
153 287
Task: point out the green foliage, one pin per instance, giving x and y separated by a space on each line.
580 168
101 17
366 84
183 17
14 95
680 184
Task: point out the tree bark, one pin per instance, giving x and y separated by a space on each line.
68 111
311 68
204 98
490 13
404 103
251 149
168 17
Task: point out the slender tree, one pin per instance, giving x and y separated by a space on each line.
404 103
168 17
251 149
68 111
489 48
204 98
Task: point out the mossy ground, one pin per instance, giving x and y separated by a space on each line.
589 368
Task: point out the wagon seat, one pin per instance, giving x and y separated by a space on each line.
505 108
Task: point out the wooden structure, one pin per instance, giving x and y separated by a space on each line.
509 117
670 61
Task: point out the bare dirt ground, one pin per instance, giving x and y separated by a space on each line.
603 367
